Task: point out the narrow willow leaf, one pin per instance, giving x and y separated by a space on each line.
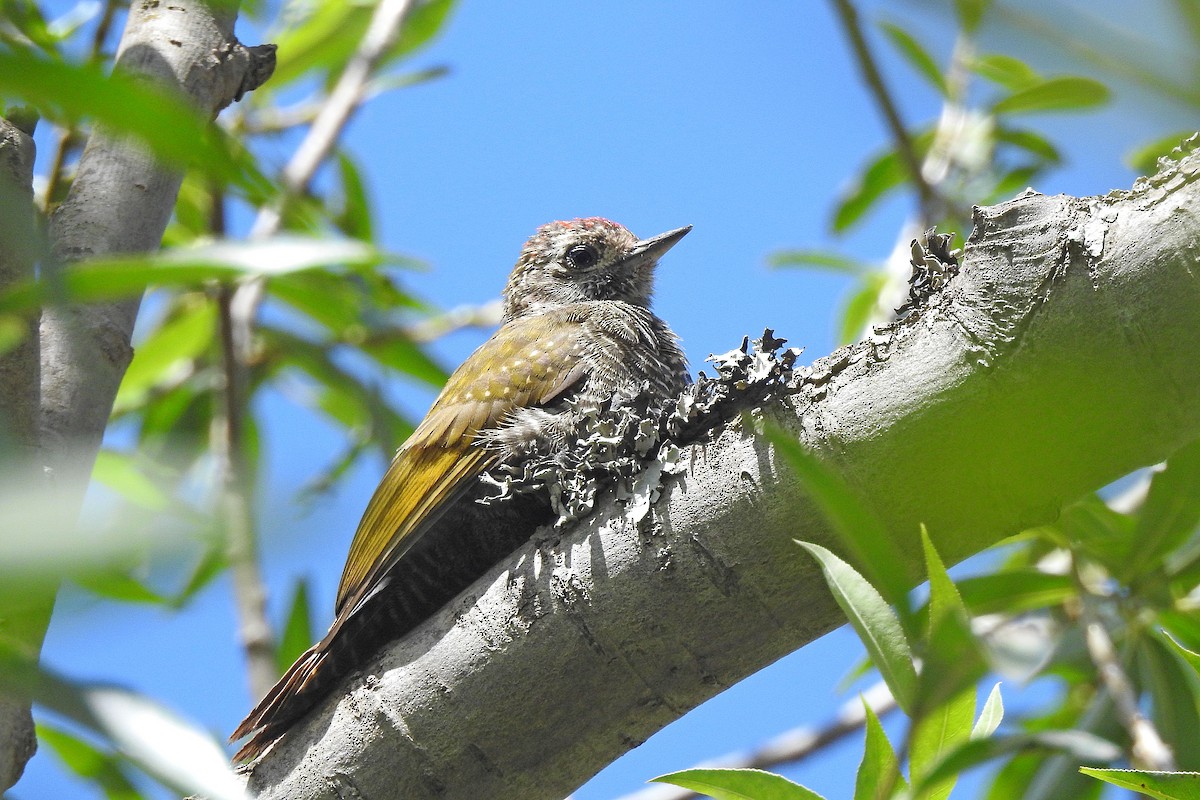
991 715
874 621
861 306
970 13
880 177
916 55
1007 71
857 527
1069 93
1144 158
829 260
937 733
878 774
104 770
1170 513
1080 745
173 130
1173 691
738 784
1159 785
297 632
1030 142
161 354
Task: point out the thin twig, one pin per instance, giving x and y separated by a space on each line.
790 747
250 597
928 198
481 316
1147 748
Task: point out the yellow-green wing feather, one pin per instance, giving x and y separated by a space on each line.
526 363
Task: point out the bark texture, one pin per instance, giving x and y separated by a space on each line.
1060 358
19 376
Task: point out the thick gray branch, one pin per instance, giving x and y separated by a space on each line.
19 377
1063 356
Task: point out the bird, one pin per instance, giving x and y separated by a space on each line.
576 331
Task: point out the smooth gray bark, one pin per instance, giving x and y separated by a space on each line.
1062 357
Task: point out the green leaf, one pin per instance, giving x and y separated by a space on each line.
879 771
970 13
1014 591
1159 785
738 784
173 130
969 753
818 259
881 176
297 632
1011 73
1030 142
422 25
991 715
1144 158
917 56
101 769
944 600
163 353
1190 656
936 733
354 217
319 42
861 306
874 621
1170 513
122 276
1173 688
119 586
1013 181
1069 93
868 542
121 473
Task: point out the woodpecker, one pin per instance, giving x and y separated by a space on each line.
577 330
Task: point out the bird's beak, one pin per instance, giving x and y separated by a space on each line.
647 251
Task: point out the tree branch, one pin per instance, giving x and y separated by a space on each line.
19 395
1061 357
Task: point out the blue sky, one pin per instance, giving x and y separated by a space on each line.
744 124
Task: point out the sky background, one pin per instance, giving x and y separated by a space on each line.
743 123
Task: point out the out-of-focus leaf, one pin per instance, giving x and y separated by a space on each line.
1030 142
1170 513
210 564
1014 591
879 771
1105 534
402 354
917 56
1173 688
422 25
1067 93
1190 656
857 527
119 586
150 736
1011 73
1144 159
320 42
991 715
861 306
970 13
738 784
818 259
177 133
1159 785
1013 181
934 735
1083 746
104 770
169 348
297 632
881 176
27 17
13 330
354 218
874 621
106 279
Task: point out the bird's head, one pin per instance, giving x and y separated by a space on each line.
579 260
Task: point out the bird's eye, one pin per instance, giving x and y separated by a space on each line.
582 256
